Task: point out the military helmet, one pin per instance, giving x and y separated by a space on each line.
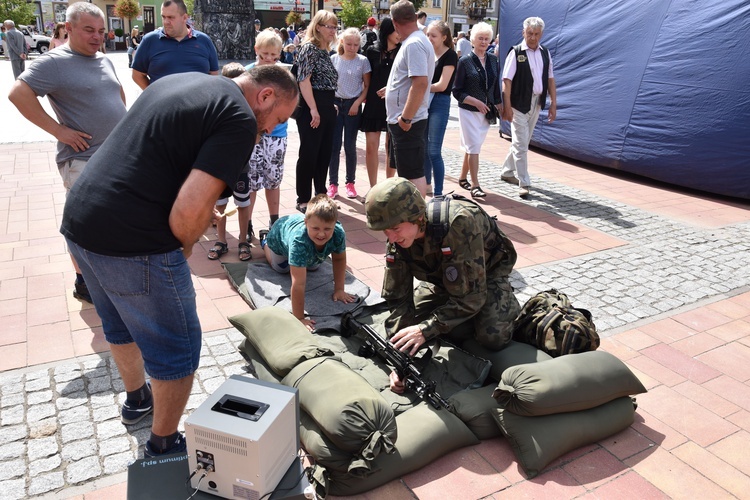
391 202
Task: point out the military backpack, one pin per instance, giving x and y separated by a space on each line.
550 323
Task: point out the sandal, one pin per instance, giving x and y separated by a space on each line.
301 208
477 192
217 251
464 184
245 251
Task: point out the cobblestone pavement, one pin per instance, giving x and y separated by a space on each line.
666 265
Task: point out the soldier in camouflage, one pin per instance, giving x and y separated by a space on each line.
464 287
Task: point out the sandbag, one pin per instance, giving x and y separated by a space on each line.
537 441
280 338
425 434
353 415
514 353
317 444
565 384
474 408
259 367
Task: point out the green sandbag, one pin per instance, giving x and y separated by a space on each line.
280 338
474 408
568 383
325 452
425 434
537 441
514 353
262 371
353 415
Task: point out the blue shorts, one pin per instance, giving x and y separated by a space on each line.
149 300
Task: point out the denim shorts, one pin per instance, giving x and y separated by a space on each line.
149 300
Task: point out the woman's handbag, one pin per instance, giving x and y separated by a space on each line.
492 114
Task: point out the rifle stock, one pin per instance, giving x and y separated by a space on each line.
402 364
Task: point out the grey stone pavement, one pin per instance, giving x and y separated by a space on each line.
68 412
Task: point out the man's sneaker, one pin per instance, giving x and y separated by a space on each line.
523 191
511 179
333 190
350 191
250 232
263 235
180 446
81 292
132 413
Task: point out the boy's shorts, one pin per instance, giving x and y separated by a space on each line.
267 163
241 192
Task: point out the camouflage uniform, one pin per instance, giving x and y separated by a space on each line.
464 276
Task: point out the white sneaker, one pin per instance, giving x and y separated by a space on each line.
523 191
510 179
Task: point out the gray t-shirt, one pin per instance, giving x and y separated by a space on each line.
84 93
415 58
350 75
464 47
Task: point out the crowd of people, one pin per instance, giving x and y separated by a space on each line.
143 185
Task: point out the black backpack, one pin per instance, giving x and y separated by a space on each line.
550 323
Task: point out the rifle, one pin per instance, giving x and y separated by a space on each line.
403 365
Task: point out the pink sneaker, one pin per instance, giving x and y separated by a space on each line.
333 190
350 191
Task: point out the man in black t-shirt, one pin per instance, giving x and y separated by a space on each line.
132 218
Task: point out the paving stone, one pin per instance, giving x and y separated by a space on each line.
46 482
76 431
12 469
77 414
72 386
12 450
83 470
213 340
228 359
212 384
208 373
195 400
119 462
43 428
38 466
72 400
99 400
225 348
79 449
106 413
13 433
238 369
109 429
36 385
114 445
99 384
13 489
12 399
39 397
8 382
41 448
207 361
12 416
38 374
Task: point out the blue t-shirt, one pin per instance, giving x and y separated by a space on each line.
288 237
279 130
159 55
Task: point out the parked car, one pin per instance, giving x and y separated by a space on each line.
37 42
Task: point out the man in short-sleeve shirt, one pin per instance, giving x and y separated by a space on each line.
175 48
132 218
407 96
87 107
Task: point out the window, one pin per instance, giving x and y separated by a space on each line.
437 4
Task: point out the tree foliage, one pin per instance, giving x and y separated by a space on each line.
17 11
190 4
418 4
353 14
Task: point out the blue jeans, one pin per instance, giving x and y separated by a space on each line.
437 122
149 300
348 125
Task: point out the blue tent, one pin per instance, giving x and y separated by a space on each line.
659 88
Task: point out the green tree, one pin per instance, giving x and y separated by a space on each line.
190 4
127 9
17 11
353 13
418 4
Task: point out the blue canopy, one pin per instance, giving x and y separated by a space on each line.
658 88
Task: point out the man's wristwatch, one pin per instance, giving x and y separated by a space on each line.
405 120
